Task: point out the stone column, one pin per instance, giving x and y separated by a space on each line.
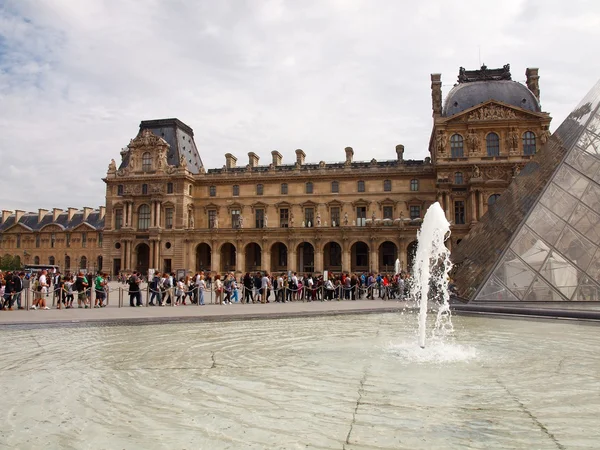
240 257
123 255
318 258
131 214
480 204
292 256
152 214
158 208
266 257
447 206
215 256
346 265
402 253
473 201
373 257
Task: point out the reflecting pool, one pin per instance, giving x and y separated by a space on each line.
346 382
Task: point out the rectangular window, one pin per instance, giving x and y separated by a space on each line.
18 241
167 266
284 217
259 189
459 212
259 215
119 189
100 239
236 190
361 216
68 239
118 219
212 191
414 185
169 218
361 186
284 188
309 217
52 240
84 239
335 216
309 187
169 188
144 189
387 185
212 218
388 212
415 212
37 241
335 187
235 218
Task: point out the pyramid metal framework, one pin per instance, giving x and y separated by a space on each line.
552 253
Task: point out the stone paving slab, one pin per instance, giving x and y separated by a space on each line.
235 311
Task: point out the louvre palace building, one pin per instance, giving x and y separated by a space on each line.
165 210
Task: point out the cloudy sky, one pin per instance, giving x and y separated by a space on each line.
77 77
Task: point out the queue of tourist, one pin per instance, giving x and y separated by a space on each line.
90 291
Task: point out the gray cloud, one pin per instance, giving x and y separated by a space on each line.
76 78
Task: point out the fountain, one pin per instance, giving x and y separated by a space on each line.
431 267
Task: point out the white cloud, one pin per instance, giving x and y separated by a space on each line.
76 78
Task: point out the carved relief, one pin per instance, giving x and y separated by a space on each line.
156 188
495 173
440 142
492 112
473 142
544 135
132 189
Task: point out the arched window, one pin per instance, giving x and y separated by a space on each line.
414 185
456 146
36 260
528 143
458 178
83 263
309 187
146 162
493 144
144 217
67 263
335 187
493 199
387 185
51 260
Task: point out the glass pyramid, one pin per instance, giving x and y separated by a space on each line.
546 231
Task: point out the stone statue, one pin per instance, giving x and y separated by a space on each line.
309 224
216 222
346 219
292 220
513 140
440 141
112 166
182 162
473 142
241 221
544 135
318 219
516 170
303 224
373 217
476 172
191 213
162 158
266 221
131 160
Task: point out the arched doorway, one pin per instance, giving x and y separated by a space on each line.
306 257
142 252
279 257
253 257
388 254
332 257
203 257
411 251
51 260
228 256
67 263
83 263
359 254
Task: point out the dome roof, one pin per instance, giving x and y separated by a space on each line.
466 95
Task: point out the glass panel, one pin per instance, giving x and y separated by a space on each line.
571 181
587 291
592 197
594 267
546 224
558 201
495 291
530 248
514 274
561 274
576 248
542 292
586 222
589 143
583 162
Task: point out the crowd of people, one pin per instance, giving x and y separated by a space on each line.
166 289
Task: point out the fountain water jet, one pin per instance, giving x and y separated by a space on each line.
431 267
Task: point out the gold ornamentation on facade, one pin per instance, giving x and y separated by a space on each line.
492 112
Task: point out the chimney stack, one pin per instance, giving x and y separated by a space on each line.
41 214
349 154
533 81
400 152
300 155
18 214
55 213
276 158
86 212
71 212
436 93
230 161
253 159
102 210
5 215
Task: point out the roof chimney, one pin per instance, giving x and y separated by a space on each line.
253 159
349 154
86 212
55 213
18 214
41 214
102 210
71 212
300 155
400 152
276 158
230 161
5 215
533 81
436 93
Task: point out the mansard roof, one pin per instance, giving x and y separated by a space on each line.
30 221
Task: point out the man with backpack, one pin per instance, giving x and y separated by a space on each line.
135 295
81 286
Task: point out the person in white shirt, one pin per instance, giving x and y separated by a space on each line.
265 283
43 282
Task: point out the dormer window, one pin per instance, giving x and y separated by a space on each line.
146 162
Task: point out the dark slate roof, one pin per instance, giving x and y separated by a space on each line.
30 220
466 95
180 138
